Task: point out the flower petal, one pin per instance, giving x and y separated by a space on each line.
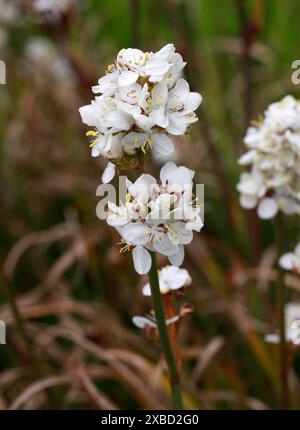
167 171
162 145
177 258
181 278
135 233
248 157
109 173
141 260
288 261
177 124
120 120
144 122
127 78
147 290
193 102
267 208
89 115
134 140
155 68
248 202
178 95
159 94
142 188
272 338
159 117
142 322
163 245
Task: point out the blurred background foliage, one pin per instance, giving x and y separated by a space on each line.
66 293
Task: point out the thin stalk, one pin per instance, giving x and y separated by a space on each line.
281 293
164 335
247 40
249 28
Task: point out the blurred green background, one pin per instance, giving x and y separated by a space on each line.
67 295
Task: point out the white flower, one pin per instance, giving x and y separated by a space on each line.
292 324
171 278
104 115
164 64
283 115
107 145
150 322
107 85
160 143
129 63
157 217
291 260
139 103
273 181
174 109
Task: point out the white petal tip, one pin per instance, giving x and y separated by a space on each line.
109 173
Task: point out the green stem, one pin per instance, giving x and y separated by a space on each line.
164 335
281 293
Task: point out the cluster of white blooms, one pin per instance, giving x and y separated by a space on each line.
273 182
140 103
157 217
142 99
171 279
292 323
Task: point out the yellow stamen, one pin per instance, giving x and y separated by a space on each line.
258 121
91 133
110 68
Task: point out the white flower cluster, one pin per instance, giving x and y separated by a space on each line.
292 323
11 10
141 100
273 182
157 217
